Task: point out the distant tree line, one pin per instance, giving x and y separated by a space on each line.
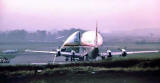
37 36
45 36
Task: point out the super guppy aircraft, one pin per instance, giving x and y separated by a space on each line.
85 46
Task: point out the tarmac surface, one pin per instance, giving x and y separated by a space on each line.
36 59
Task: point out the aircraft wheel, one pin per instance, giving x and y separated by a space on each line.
124 54
103 57
110 55
81 58
71 58
66 59
87 58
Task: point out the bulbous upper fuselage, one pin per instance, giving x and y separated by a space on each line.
86 39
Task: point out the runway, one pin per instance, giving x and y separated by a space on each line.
37 59
42 59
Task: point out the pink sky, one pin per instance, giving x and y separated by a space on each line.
64 14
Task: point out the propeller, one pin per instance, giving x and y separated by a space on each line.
73 55
123 50
109 52
57 54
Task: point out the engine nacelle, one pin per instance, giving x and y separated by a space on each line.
58 52
124 53
109 53
73 52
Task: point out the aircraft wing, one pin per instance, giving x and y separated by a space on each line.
113 53
54 52
131 52
36 51
70 54
136 52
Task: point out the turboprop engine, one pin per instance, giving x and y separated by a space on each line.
124 53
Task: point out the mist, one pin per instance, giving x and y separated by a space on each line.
48 15
142 36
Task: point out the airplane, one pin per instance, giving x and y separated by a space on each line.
85 47
9 51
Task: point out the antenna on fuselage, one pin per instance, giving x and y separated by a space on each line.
96 34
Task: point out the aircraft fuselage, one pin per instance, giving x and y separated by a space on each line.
85 44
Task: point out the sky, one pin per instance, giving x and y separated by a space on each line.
53 15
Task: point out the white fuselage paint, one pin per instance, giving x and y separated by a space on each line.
86 39
89 39
87 42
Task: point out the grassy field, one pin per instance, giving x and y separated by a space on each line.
136 68
122 70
